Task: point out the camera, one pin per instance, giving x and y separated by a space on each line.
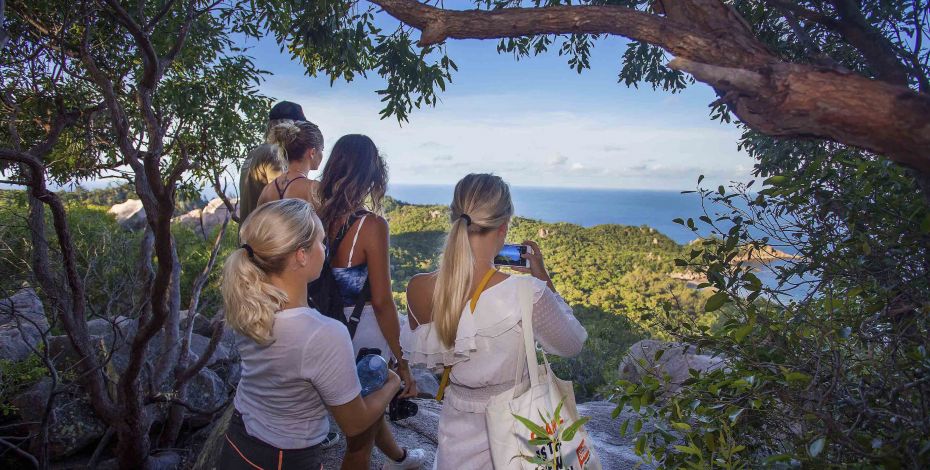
512 255
399 408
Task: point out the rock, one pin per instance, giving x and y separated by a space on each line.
543 232
22 323
202 325
205 392
613 450
221 354
73 427
672 367
164 461
203 221
106 327
209 453
426 382
130 214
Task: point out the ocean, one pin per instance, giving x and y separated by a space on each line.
585 207
589 207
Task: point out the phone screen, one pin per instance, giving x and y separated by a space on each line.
510 256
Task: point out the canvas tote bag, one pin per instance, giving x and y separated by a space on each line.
510 438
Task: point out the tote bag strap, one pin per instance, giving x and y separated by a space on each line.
529 341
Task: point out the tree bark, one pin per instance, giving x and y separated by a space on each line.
714 44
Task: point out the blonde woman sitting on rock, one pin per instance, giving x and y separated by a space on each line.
297 365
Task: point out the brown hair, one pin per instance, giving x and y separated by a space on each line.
485 200
354 172
293 138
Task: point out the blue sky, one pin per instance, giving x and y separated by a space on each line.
534 121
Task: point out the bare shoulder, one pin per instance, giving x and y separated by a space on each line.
422 282
375 228
420 296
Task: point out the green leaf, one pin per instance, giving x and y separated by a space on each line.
535 428
816 447
795 376
925 224
624 426
684 427
558 411
715 301
777 180
740 333
690 449
777 458
569 432
658 355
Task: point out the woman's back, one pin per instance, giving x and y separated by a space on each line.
488 340
286 385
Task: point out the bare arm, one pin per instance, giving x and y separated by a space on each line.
382 301
356 416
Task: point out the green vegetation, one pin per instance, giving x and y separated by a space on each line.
107 254
615 277
16 377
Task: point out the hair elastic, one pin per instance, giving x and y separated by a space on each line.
467 219
249 250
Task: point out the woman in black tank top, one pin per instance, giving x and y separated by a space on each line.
301 143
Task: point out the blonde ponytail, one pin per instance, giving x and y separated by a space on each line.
481 203
270 235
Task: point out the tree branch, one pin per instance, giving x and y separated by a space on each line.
713 42
677 37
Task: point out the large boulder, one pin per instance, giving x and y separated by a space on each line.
130 214
672 366
73 425
22 323
613 450
203 221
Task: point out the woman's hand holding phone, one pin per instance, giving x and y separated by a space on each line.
537 267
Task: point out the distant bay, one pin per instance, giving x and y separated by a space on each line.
585 207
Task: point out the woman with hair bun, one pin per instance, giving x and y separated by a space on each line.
301 144
480 340
296 363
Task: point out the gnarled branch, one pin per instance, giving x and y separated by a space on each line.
712 42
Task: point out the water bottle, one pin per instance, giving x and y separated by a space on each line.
372 373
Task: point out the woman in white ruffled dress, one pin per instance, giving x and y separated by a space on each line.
481 340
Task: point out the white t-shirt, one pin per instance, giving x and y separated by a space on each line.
286 386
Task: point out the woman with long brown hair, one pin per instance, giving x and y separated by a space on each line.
353 184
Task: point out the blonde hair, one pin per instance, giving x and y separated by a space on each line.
292 139
481 203
269 235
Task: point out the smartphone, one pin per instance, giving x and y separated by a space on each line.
510 255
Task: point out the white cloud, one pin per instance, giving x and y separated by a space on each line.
528 146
